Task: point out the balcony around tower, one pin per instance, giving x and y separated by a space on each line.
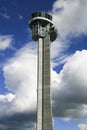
41 25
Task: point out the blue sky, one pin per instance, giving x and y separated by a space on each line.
18 64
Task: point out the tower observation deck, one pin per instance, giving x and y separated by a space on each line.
43 31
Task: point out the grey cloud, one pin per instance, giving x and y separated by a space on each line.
18 121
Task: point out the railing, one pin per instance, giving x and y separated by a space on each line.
42 14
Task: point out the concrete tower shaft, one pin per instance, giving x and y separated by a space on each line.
44 31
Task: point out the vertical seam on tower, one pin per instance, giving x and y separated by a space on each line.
42 82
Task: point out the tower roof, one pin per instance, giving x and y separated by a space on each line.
41 17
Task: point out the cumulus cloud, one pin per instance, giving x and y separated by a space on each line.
18 109
82 126
70 16
69 88
23 80
8 97
69 95
5 41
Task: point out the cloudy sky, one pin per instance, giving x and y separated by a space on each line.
18 64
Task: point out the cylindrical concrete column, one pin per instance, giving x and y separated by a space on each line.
46 99
39 85
44 112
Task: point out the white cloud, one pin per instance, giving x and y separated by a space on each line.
57 52
5 41
20 77
7 98
5 15
70 17
69 87
82 126
20 17
69 95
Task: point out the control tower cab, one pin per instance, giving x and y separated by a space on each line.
41 25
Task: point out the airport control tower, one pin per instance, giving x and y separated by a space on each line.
43 31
